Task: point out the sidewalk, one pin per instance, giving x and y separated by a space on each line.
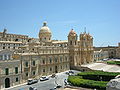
14 86
75 88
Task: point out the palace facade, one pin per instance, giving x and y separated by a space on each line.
22 57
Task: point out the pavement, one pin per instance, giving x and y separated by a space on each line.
45 85
103 66
76 89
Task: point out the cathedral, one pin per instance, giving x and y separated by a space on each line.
22 57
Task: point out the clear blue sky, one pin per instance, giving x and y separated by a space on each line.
100 17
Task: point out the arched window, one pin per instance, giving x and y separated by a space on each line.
70 42
43 61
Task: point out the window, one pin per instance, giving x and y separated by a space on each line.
5 57
16 40
61 59
61 67
33 49
6 71
3 47
27 74
17 79
70 42
1 57
43 61
9 57
16 70
26 64
33 72
50 69
33 63
55 59
50 60
66 58
43 70
75 42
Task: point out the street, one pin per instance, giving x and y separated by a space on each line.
46 85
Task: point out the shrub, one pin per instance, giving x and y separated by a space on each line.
113 62
98 75
77 81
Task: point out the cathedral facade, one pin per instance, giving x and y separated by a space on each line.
80 51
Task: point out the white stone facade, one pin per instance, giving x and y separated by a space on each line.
35 57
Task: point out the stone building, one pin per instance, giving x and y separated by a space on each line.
10 70
113 51
4 36
35 57
118 51
100 55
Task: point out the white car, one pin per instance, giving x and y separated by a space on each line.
32 81
118 76
113 84
44 78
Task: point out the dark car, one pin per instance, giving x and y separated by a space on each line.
32 81
32 88
67 73
71 72
58 86
53 75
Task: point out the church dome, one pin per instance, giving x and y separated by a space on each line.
45 33
45 28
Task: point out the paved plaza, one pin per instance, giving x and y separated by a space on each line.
103 66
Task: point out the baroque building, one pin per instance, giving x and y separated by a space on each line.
80 51
35 57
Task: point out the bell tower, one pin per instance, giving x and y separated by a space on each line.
72 43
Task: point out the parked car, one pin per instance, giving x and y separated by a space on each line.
58 86
32 88
71 72
118 76
32 81
53 75
67 73
113 84
44 78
